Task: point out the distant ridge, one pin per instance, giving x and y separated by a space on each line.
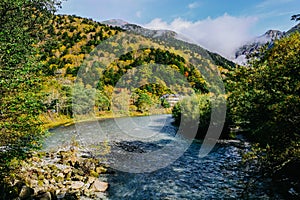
115 22
152 33
252 47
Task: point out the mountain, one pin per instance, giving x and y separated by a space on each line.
252 47
107 55
144 31
115 22
294 29
171 37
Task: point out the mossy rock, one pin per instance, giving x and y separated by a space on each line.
41 177
101 170
94 174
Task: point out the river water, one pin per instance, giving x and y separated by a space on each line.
172 168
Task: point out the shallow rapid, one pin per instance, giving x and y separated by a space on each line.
173 169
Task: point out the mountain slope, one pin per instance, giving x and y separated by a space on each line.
110 52
173 39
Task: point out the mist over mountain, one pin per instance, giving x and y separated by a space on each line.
239 56
252 47
145 31
173 39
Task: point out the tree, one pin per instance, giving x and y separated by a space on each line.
196 111
102 102
83 99
296 17
265 99
21 25
144 101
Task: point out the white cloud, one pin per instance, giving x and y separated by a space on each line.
193 5
222 35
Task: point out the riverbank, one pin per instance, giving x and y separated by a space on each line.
71 172
54 120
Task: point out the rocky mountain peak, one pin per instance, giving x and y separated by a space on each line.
274 34
252 47
115 22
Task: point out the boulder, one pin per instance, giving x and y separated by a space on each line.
77 185
26 192
43 196
100 170
99 186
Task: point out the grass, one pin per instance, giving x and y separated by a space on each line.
53 120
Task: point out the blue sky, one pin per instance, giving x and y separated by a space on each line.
201 20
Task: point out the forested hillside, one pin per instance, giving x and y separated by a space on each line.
71 43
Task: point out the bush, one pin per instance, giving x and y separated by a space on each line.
197 111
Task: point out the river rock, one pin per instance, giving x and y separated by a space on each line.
93 173
91 179
67 170
72 196
60 177
76 185
100 170
99 186
26 192
68 176
44 196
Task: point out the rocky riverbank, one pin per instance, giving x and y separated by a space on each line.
69 173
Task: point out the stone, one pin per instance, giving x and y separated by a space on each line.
44 196
48 176
26 192
46 182
88 193
77 185
33 183
35 159
60 177
99 186
99 195
93 173
90 165
71 196
69 176
100 170
52 181
60 185
91 179
67 170
41 177
73 160
77 178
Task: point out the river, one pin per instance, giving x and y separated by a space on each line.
219 175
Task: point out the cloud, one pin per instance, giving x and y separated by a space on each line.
193 5
222 35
